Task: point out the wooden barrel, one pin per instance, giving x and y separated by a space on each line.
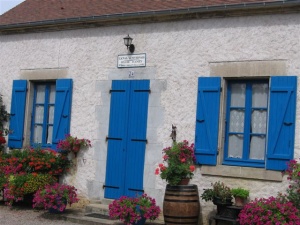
181 205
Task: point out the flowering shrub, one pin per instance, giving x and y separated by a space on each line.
293 191
4 117
25 171
178 162
55 196
73 144
21 184
269 211
31 160
130 210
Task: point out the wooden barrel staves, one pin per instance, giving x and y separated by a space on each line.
181 205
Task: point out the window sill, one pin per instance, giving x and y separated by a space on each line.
242 172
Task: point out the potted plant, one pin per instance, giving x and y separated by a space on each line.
178 163
73 144
55 197
134 210
177 169
240 195
218 194
269 211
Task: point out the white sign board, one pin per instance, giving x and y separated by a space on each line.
135 60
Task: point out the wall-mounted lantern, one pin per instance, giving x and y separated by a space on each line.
128 43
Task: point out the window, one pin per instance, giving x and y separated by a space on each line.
43 114
50 112
246 123
259 122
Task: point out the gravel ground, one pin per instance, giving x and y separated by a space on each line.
24 215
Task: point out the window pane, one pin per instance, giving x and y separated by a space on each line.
38 130
49 138
51 114
39 114
40 94
257 147
260 95
52 94
238 95
259 121
235 146
236 121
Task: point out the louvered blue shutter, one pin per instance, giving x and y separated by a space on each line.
117 136
207 120
62 111
136 145
17 114
281 125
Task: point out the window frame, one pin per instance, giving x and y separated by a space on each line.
226 99
45 124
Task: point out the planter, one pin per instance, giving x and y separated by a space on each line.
140 222
181 204
184 181
239 201
56 210
222 205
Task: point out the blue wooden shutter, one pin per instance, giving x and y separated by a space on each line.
281 125
117 136
207 120
17 114
136 145
62 111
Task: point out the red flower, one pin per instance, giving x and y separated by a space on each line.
192 168
157 171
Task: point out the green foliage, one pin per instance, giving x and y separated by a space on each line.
218 190
240 192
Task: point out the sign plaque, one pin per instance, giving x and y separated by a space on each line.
134 60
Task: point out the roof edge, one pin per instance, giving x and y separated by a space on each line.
282 6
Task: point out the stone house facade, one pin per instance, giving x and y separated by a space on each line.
223 72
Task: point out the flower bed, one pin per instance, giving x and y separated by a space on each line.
25 171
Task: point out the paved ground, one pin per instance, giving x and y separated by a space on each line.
24 215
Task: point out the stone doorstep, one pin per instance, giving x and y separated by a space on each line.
80 216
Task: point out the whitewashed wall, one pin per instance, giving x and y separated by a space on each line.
177 54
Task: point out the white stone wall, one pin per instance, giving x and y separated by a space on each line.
177 54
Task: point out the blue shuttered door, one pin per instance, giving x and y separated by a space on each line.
207 120
126 138
17 114
62 113
281 128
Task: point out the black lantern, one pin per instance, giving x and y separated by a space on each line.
127 42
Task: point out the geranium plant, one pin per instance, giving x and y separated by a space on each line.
178 163
131 210
55 196
269 211
73 144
